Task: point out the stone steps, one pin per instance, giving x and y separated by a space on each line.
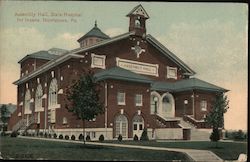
203 155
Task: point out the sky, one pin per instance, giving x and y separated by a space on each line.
209 37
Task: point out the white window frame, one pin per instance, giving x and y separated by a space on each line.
53 95
96 63
27 98
65 120
169 73
38 98
203 105
136 99
124 98
121 126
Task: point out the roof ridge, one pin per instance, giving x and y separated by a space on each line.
169 53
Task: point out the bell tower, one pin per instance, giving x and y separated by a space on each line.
137 22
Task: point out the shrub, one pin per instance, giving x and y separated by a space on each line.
50 135
3 134
73 137
239 135
60 136
14 134
41 134
144 135
66 137
55 136
215 135
120 137
101 138
45 135
81 137
88 138
135 138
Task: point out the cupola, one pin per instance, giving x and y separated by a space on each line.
137 22
92 37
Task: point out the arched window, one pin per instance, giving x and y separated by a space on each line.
53 88
38 99
137 23
121 126
27 108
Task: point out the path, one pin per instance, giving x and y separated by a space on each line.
196 155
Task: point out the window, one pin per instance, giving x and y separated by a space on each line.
65 121
121 98
27 108
171 72
121 126
98 61
53 88
137 23
138 100
203 104
93 134
38 99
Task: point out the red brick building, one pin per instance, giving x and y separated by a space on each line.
144 86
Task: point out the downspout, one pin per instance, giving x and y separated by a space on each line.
193 104
46 105
106 108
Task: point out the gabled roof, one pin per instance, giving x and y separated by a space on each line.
138 10
70 54
94 32
118 73
187 84
44 55
169 54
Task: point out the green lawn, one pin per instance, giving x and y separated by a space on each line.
225 150
19 148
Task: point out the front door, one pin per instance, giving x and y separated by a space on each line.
138 126
167 107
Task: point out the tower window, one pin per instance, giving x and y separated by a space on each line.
137 23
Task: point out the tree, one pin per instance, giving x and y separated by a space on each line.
144 135
215 136
84 98
215 118
4 116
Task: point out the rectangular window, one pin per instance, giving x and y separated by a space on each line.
138 100
140 126
121 98
171 72
203 105
135 126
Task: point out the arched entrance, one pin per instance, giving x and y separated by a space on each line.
138 125
121 126
168 105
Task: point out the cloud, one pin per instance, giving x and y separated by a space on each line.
217 51
114 31
17 43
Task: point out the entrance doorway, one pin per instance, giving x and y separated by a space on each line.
138 125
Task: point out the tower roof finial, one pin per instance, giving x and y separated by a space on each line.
95 23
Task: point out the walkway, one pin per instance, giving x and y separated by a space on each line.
196 155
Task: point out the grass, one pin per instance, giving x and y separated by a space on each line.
19 148
225 150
